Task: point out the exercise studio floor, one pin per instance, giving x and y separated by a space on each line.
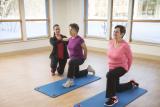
20 74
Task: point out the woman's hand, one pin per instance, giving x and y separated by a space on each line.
83 45
65 39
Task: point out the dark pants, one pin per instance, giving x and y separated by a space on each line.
113 84
61 65
73 69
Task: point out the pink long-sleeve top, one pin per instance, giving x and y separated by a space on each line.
120 56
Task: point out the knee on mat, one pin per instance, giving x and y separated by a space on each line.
60 73
76 76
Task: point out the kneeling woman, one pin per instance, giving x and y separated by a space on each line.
59 54
119 60
77 55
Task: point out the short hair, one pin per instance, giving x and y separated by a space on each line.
122 29
74 26
55 25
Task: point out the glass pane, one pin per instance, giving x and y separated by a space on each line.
120 9
36 28
97 9
147 9
119 23
10 30
9 9
97 29
35 9
147 32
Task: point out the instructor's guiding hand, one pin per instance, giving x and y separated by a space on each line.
65 39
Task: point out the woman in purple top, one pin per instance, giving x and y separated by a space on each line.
77 54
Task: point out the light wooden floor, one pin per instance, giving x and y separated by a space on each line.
20 74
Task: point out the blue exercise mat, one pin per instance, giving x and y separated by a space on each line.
55 89
124 98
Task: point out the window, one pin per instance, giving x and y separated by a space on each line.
140 17
97 9
120 14
18 16
147 9
10 30
97 28
36 28
9 23
120 9
98 13
36 18
97 18
146 21
9 9
146 32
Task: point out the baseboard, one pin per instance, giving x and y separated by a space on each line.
144 56
135 55
94 49
26 51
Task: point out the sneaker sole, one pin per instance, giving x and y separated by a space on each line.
111 105
68 86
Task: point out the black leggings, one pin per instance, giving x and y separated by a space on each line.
113 84
73 69
61 65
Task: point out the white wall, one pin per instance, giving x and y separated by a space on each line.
68 11
59 14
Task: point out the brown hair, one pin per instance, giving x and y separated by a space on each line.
55 25
122 29
74 26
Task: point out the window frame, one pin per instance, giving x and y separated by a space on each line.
110 20
22 21
86 20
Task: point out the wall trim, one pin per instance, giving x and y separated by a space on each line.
135 55
21 52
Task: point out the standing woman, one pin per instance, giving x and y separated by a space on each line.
59 54
119 61
77 55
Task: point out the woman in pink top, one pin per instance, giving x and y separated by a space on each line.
119 61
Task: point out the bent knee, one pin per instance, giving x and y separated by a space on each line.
110 74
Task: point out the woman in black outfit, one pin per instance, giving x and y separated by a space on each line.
59 54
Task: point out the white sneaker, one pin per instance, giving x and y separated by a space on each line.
68 83
90 69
